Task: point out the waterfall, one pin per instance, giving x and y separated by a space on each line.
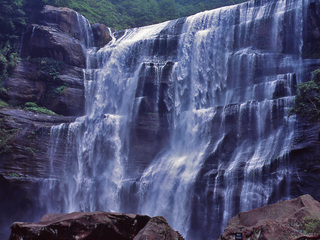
187 119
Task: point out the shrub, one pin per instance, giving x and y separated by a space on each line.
50 66
32 106
312 225
3 104
61 90
307 100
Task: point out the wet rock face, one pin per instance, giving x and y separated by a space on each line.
25 143
304 158
311 47
281 220
63 94
46 41
16 202
64 19
95 226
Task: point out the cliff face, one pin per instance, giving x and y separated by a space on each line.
50 75
153 101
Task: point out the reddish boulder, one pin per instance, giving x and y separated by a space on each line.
283 220
88 226
158 228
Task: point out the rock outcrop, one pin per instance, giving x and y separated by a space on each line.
31 82
51 75
283 220
158 228
95 226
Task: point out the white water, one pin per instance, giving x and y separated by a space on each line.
221 108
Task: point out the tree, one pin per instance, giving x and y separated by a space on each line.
12 19
307 100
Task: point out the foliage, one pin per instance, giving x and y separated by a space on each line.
3 104
8 60
121 14
12 19
312 225
61 90
50 66
32 106
307 101
5 137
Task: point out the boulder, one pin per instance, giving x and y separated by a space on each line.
75 25
156 227
282 220
46 41
66 20
101 34
94 226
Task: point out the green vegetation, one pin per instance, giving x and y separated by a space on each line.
32 106
121 14
3 104
61 90
12 21
307 101
312 225
117 14
50 66
5 137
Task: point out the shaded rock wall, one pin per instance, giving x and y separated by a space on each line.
57 38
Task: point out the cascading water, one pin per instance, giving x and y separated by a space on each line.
187 119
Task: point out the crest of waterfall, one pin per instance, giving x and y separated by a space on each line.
187 119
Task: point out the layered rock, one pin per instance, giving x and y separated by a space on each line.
63 94
283 220
95 226
54 52
25 141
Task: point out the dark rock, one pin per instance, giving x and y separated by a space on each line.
66 20
282 220
25 143
25 140
63 94
304 159
158 228
86 226
16 202
101 35
47 41
311 47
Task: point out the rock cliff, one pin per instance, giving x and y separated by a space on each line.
51 75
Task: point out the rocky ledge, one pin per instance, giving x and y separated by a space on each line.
292 219
95 226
